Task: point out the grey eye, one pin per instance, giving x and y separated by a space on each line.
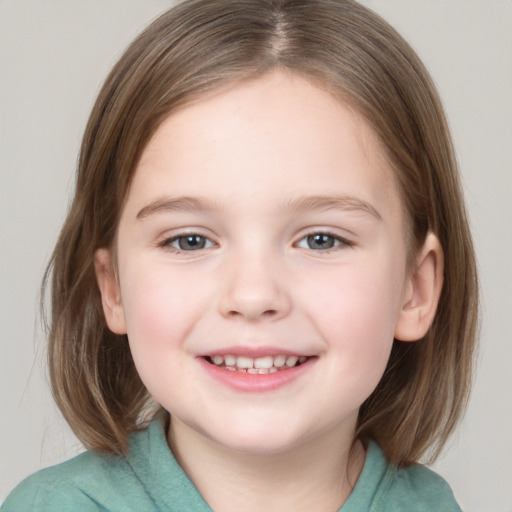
191 242
321 241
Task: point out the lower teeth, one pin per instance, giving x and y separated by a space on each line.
255 371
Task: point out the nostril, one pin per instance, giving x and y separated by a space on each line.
268 313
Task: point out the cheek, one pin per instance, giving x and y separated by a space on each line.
362 300
160 310
357 315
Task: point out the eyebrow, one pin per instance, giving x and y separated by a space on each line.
308 203
177 204
326 203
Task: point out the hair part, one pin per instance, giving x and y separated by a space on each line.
197 47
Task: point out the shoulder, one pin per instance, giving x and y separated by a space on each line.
414 488
88 482
53 487
148 479
419 485
382 487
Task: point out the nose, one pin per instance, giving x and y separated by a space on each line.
254 289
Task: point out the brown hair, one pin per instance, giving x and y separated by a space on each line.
200 45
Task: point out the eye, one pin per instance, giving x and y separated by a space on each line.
321 241
188 242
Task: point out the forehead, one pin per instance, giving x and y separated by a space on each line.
279 133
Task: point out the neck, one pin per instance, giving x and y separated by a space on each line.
318 475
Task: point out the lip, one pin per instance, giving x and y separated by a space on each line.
256 383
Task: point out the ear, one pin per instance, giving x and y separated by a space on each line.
109 289
422 292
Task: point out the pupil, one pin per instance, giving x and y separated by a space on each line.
320 241
191 242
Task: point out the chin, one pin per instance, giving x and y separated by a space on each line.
264 438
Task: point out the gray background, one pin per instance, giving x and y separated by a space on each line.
53 57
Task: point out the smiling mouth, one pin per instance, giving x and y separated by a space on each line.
258 365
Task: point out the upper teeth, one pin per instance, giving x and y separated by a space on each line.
266 362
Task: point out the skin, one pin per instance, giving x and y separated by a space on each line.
256 163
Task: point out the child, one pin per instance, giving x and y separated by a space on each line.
264 296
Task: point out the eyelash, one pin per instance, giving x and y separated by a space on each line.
168 242
205 243
338 241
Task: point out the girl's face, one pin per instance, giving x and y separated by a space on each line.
263 229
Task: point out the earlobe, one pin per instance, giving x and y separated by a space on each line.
422 292
109 289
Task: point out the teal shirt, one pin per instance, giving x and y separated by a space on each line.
150 480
